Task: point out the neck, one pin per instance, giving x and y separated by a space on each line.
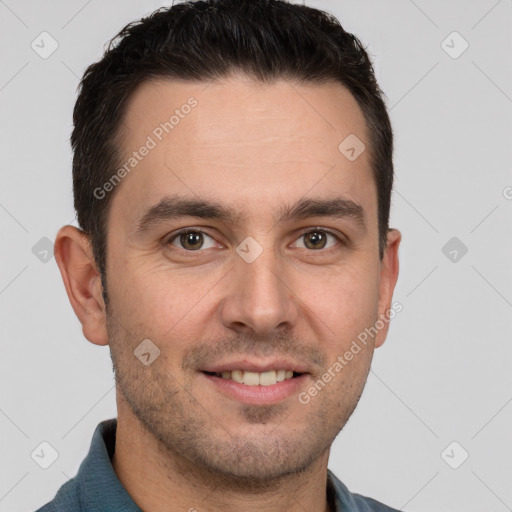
163 481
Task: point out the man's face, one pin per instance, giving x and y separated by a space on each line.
292 297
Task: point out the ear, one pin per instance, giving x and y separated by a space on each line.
74 256
388 277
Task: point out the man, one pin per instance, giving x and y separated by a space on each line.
232 177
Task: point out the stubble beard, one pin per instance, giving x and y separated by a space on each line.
203 446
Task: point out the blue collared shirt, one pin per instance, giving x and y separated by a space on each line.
96 487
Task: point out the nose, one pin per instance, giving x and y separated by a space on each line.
258 299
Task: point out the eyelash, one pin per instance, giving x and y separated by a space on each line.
308 231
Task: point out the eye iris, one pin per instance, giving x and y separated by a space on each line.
317 239
190 240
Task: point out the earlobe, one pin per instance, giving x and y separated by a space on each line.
388 277
75 259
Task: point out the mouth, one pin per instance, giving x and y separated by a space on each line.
256 388
251 378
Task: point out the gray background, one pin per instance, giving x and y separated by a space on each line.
444 373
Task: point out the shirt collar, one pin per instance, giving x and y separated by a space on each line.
102 491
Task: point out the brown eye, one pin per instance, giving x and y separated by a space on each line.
315 240
191 240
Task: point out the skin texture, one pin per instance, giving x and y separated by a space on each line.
257 148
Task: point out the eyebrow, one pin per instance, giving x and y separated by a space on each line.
174 207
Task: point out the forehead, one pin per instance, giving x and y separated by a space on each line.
242 142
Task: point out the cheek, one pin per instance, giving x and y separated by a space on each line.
158 302
345 301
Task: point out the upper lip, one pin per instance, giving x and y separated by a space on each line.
255 366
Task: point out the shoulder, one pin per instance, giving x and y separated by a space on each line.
67 499
96 485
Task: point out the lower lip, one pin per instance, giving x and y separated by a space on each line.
258 395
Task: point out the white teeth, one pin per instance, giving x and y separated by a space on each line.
254 378
251 378
267 378
237 376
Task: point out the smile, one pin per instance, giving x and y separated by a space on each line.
249 378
